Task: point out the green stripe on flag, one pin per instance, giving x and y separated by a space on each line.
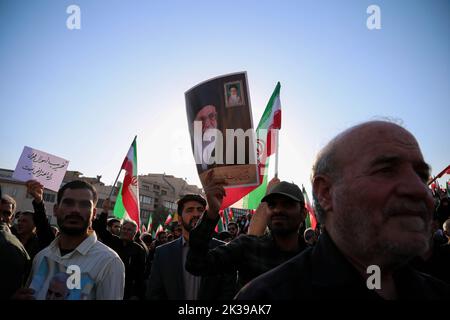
253 199
268 111
119 209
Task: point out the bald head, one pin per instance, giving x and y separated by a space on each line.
350 144
369 187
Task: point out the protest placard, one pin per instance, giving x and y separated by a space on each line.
41 166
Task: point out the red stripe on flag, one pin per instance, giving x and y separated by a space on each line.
276 120
128 201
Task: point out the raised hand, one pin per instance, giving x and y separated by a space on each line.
36 190
106 205
214 194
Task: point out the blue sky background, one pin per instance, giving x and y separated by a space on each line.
84 94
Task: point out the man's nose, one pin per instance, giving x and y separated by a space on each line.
411 185
197 213
276 208
76 207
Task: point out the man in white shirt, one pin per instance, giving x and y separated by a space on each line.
95 272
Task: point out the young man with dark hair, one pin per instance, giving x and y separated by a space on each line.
168 277
250 255
76 250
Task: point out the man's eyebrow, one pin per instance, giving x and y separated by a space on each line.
385 160
420 165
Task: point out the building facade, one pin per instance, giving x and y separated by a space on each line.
156 191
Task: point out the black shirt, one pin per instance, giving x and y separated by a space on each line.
323 272
249 255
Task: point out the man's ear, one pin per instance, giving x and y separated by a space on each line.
94 214
322 190
55 210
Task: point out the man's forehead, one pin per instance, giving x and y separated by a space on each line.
193 204
7 206
377 141
25 217
78 194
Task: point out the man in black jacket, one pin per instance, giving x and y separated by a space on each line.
168 277
132 254
33 228
250 255
370 192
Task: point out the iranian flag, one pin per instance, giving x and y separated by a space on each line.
311 221
448 188
127 202
230 215
168 219
220 224
266 146
150 223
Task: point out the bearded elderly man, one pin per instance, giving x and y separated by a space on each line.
370 191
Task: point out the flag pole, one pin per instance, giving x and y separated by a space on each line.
439 175
114 185
276 153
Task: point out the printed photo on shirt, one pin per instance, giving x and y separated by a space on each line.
50 282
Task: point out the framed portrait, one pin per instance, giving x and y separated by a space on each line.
221 131
234 94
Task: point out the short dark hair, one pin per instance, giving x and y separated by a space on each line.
187 198
146 237
111 221
77 184
24 213
9 200
159 233
233 223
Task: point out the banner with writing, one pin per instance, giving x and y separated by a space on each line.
41 166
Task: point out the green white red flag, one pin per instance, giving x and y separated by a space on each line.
168 219
127 202
310 221
266 146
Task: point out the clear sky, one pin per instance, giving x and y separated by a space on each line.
84 94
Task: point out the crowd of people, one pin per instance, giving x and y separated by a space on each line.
371 199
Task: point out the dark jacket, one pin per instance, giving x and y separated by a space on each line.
166 277
323 272
249 255
14 263
132 255
437 265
